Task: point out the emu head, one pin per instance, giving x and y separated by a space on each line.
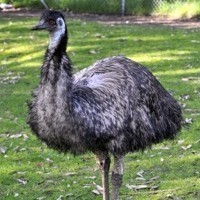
51 21
54 22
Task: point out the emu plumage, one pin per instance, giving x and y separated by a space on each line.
114 106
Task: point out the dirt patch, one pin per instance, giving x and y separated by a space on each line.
112 19
141 20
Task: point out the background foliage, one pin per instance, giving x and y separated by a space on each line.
173 8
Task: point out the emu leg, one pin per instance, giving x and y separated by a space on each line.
103 160
117 175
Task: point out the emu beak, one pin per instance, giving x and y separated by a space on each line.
40 26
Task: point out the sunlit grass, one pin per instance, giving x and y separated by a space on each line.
179 72
179 9
171 54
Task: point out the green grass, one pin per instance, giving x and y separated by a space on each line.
29 170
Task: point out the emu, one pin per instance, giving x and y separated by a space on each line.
113 107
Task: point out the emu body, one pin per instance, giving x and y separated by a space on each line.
113 107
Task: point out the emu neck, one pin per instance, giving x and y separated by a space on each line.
56 63
58 41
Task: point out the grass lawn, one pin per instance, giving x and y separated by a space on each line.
29 170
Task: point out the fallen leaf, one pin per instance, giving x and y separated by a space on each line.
69 194
185 79
3 150
155 187
72 53
123 39
195 114
184 97
90 177
86 186
16 194
5 6
181 141
129 186
186 147
21 173
22 181
99 188
49 160
16 135
154 178
137 187
60 197
50 181
16 149
40 198
190 79
11 78
195 41
26 137
99 35
140 173
170 196
96 192
188 120
23 149
140 179
92 51
197 141
184 105
162 147
70 174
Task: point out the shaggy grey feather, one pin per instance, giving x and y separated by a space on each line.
116 105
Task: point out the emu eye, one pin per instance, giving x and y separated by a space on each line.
52 22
